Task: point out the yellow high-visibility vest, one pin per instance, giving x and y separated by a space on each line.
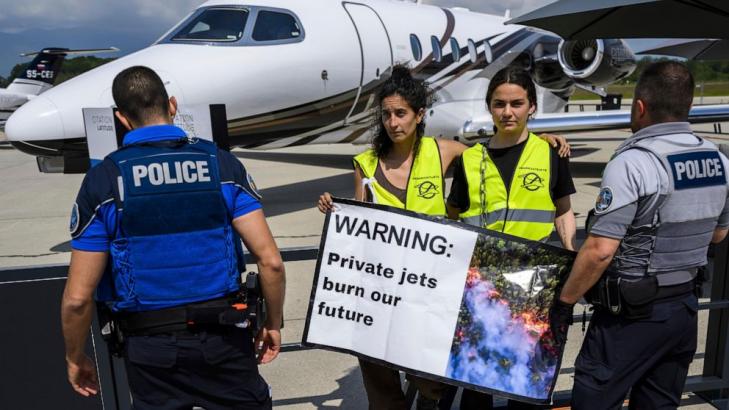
527 210
424 192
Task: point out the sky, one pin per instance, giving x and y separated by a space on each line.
129 25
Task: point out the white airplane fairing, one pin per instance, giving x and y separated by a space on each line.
292 73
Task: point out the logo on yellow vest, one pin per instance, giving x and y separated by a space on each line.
532 182
427 189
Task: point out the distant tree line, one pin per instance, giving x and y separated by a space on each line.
703 71
70 68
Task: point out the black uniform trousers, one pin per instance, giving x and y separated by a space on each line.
214 369
650 357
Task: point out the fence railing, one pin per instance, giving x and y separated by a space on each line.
31 308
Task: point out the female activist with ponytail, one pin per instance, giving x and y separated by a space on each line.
400 164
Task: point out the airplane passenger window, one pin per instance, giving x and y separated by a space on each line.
272 25
455 49
472 51
488 54
417 49
437 52
215 24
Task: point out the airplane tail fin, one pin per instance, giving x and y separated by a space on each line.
47 63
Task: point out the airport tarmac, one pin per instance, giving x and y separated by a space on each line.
34 218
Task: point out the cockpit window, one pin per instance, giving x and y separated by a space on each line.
215 24
273 25
237 26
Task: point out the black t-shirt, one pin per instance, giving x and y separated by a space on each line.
561 183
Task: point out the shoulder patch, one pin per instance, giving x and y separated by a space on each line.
604 200
75 218
252 185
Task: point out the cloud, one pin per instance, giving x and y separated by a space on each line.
18 16
167 11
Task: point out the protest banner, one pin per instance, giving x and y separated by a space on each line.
439 299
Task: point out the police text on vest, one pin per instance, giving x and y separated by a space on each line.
698 168
169 173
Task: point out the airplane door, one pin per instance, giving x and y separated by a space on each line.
376 52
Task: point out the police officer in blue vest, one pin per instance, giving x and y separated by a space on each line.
156 233
663 200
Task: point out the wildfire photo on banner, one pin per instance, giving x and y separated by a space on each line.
503 342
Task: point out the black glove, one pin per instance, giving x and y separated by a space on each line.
560 319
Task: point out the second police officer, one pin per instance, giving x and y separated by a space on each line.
156 228
663 200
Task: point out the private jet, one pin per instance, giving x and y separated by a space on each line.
295 72
37 77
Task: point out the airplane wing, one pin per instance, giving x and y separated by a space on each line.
64 51
692 49
589 121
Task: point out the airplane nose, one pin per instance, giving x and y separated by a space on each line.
38 119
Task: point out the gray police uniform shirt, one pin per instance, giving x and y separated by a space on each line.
634 178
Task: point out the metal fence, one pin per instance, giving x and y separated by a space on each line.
32 343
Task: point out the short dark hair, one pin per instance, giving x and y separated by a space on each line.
667 89
140 94
512 75
415 92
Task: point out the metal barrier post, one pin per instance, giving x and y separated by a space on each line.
717 342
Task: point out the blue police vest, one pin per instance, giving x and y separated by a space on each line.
175 243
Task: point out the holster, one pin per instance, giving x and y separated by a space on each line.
630 298
110 331
257 315
702 276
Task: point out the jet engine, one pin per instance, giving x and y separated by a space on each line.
596 62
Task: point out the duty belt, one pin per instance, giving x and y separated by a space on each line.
224 311
634 299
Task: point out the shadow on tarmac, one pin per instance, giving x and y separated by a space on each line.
303 195
350 391
580 150
587 169
338 161
62 247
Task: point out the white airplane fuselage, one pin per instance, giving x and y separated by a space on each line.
316 88
18 93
